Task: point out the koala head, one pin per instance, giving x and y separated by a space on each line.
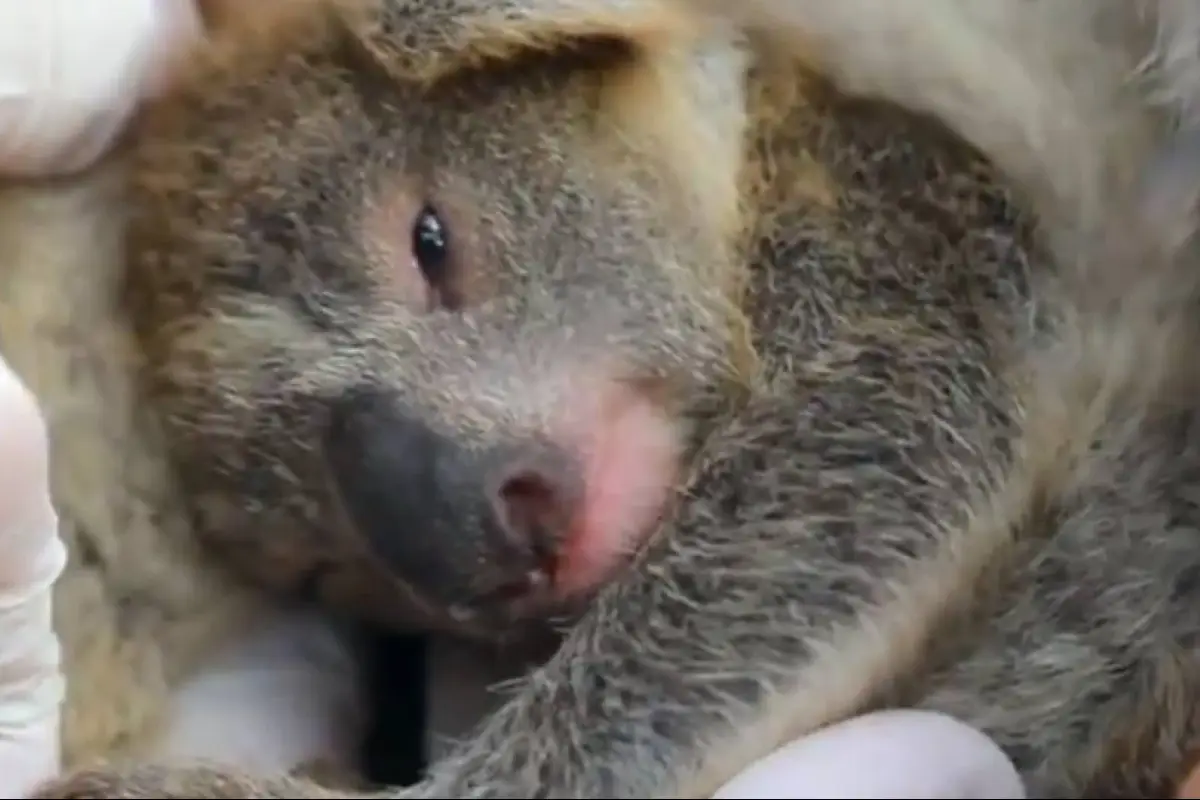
427 291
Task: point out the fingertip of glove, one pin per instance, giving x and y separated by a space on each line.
71 73
24 442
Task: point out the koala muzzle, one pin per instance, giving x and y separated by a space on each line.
466 523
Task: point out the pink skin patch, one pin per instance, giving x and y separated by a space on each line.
632 457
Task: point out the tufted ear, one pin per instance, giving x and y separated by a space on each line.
427 39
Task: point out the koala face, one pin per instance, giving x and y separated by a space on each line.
426 348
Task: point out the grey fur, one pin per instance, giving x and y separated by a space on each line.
954 469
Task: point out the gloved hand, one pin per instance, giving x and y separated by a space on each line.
31 558
71 72
887 754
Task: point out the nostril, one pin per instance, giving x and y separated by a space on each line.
534 508
527 505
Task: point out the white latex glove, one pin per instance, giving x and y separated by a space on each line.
72 71
888 754
31 558
288 694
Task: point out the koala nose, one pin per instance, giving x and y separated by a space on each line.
383 466
535 501
453 517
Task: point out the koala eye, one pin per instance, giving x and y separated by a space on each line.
430 246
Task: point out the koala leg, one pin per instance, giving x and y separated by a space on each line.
1086 676
897 510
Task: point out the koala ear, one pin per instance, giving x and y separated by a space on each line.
426 39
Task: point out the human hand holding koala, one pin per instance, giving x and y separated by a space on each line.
71 74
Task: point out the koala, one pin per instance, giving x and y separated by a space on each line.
786 401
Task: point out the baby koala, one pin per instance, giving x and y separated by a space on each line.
472 317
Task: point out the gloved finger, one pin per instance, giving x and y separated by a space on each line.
286 695
71 74
888 754
31 558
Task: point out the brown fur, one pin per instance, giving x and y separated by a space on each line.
923 464
136 587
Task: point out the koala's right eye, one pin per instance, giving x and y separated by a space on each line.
431 247
413 257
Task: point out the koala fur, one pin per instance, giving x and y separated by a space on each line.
892 451
138 600
1066 97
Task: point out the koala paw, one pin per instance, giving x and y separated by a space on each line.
178 782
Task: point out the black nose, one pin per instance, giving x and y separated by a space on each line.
454 516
